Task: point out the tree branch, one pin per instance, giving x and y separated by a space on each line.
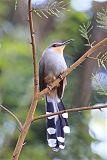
28 121
36 96
75 65
12 114
33 42
68 110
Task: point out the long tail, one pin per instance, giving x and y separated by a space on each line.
57 125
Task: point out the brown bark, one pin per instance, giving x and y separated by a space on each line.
68 110
28 121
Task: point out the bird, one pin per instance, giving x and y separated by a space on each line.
51 65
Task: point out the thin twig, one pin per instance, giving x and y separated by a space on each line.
30 114
12 114
68 110
33 42
75 65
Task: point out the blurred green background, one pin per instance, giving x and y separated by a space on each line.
16 81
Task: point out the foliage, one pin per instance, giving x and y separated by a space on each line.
85 30
16 88
52 8
102 59
102 18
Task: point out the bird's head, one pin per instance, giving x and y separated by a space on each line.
59 46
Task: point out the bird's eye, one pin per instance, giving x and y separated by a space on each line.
54 45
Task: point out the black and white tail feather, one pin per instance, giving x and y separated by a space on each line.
57 125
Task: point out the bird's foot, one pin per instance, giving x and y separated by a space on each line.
49 86
60 77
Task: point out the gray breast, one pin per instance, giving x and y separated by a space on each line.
55 64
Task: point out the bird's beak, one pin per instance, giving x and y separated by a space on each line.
67 42
59 49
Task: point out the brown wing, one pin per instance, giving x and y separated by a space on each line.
60 89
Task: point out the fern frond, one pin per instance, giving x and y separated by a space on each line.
38 13
102 59
52 8
102 19
44 14
85 30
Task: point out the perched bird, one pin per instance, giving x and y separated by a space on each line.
51 65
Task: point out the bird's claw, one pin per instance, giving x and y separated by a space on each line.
60 76
49 87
